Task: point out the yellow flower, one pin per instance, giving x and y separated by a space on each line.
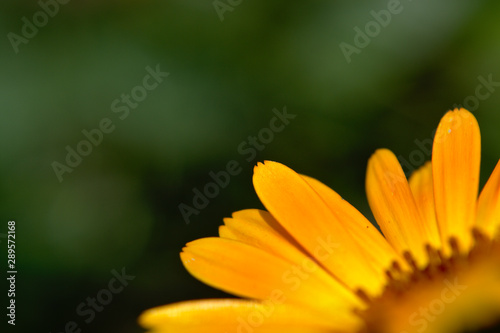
312 263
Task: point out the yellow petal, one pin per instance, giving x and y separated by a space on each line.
423 191
306 216
236 315
247 271
374 246
251 227
456 157
488 206
394 207
265 222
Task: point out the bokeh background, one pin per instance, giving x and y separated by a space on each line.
119 207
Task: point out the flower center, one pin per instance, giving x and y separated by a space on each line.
456 294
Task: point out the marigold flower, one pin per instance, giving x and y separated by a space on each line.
312 263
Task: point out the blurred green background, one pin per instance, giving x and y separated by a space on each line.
119 207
